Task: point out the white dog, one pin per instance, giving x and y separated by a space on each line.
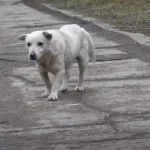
55 51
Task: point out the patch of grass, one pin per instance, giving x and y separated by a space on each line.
131 15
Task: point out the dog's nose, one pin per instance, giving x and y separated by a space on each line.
33 56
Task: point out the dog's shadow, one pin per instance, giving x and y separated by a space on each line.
75 96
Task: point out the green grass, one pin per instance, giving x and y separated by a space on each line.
131 15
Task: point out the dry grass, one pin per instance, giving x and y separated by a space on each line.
131 15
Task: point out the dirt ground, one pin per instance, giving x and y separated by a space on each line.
129 15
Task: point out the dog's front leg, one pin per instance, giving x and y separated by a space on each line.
56 85
44 76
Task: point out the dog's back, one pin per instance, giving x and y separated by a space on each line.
72 29
76 36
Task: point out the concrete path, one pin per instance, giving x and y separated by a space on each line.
112 114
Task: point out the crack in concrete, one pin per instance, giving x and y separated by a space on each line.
8 60
126 137
108 119
116 137
129 137
109 47
27 81
9 131
113 113
12 60
113 57
143 77
13 54
112 123
4 121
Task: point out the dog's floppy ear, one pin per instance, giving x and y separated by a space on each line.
22 37
47 35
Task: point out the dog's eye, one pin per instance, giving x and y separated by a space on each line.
40 44
29 44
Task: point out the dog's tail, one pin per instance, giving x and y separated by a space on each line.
91 49
91 46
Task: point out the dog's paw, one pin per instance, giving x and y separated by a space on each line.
79 89
45 94
64 88
52 97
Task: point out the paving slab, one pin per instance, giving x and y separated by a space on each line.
101 42
114 93
107 70
29 17
108 51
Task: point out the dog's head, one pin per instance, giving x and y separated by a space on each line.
37 43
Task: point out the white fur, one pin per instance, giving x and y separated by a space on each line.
57 54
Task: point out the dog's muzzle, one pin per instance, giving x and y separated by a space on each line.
33 56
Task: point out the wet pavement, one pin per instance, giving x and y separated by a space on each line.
113 112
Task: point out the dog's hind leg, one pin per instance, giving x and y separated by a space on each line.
82 63
64 86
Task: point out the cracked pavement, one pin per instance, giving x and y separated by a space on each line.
113 112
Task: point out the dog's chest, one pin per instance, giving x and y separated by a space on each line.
50 68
